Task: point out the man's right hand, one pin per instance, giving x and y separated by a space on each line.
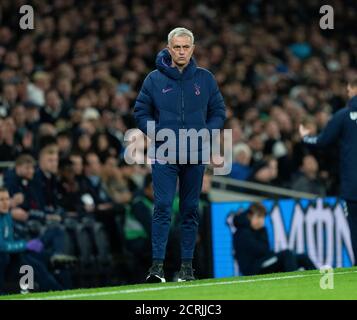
303 131
19 214
17 199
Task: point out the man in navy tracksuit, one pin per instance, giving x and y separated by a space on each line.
177 95
343 128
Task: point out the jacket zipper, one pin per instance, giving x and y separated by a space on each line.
182 106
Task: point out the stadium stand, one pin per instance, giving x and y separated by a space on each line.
67 90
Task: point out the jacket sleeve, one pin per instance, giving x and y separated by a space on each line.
216 111
248 243
14 246
144 109
9 182
330 134
10 245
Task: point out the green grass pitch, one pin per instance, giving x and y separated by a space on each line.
303 285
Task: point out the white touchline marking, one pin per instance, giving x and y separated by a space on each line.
128 291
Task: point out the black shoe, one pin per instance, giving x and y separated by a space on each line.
186 274
156 274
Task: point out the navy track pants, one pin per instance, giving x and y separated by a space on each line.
164 178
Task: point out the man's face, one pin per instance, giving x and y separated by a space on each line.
64 143
256 221
111 165
68 173
26 171
149 191
77 164
19 115
94 166
310 165
53 100
181 50
4 202
351 91
49 162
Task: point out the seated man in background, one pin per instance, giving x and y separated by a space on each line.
30 216
241 169
18 183
25 201
251 246
17 252
308 179
87 237
103 208
46 183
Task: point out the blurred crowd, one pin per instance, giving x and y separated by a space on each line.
67 90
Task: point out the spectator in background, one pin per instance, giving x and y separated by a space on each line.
36 89
105 210
308 179
69 192
18 183
45 181
273 145
252 250
32 114
16 253
88 240
103 148
29 219
242 155
256 144
137 230
7 139
114 182
9 98
77 164
265 171
83 143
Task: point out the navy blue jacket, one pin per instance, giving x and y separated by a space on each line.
16 184
343 128
46 189
7 242
176 100
97 191
251 247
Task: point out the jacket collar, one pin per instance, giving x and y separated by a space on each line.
163 64
352 103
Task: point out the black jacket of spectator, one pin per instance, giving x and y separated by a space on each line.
96 190
16 184
69 197
46 189
251 246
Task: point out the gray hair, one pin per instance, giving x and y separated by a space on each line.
180 32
